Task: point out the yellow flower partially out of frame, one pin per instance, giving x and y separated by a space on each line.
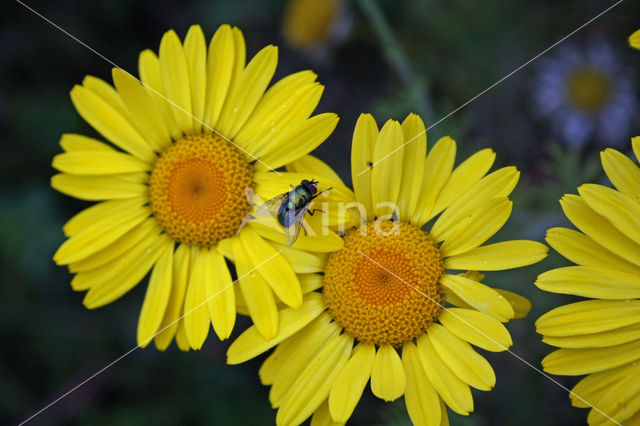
634 40
309 22
599 337
380 315
187 145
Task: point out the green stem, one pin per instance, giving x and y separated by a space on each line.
397 58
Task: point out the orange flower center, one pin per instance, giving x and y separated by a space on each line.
198 189
382 287
589 90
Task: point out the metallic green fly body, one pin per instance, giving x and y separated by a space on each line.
291 207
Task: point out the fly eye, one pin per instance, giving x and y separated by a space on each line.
304 182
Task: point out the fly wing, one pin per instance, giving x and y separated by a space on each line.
271 207
295 223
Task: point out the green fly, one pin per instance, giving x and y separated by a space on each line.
291 207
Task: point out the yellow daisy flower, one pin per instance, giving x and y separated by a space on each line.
634 40
309 22
599 337
187 144
380 316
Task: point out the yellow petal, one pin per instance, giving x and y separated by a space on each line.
142 109
247 91
298 141
596 340
365 135
175 79
582 250
477 328
271 367
574 362
310 282
635 144
599 228
149 69
463 360
304 343
302 261
634 40
110 123
251 343
388 378
240 55
498 184
590 281
284 106
620 402
98 163
273 267
257 294
451 389
444 419
139 177
621 210
95 188
477 227
221 60
220 294
196 316
453 299
350 383
588 391
622 171
114 279
387 167
520 304
436 172
73 142
315 167
322 416
483 298
101 211
313 385
180 277
116 249
415 150
316 337
181 338
464 177
106 92
422 400
195 52
499 256
156 298
101 233
589 316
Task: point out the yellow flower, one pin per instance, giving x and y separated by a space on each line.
600 337
187 144
309 22
380 316
634 40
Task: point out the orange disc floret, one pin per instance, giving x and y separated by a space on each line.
382 287
198 189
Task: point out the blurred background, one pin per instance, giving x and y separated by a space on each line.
387 57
